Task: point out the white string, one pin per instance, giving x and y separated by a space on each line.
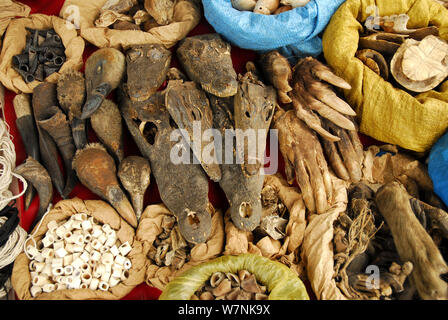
13 247
7 160
31 235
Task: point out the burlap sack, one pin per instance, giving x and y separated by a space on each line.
10 10
186 16
150 227
15 40
104 213
317 248
285 250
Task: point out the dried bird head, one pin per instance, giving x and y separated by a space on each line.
108 126
134 173
104 71
96 170
206 59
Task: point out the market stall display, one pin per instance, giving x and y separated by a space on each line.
225 173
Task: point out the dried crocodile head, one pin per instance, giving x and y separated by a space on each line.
147 67
189 106
254 107
206 59
183 187
243 192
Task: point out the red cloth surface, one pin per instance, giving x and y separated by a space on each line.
216 195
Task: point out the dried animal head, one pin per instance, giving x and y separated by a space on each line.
104 71
147 67
183 187
206 59
188 105
134 173
107 124
254 107
96 170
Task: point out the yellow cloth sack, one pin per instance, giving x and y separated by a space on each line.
387 113
84 13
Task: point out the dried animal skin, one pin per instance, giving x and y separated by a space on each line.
375 61
147 67
254 106
304 161
242 191
109 17
188 105
206 59
134 173
96 170
244 5
119 6
150 126
413 243
278 71
107 124
161 10
421 66
36 174
44 98
104 70
71 95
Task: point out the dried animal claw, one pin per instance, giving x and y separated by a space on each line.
413 243
183 187
188 106
147 67
206 59
36 174
304 161
107 124
134 173
71 90
104 71
345 156
161 10
96 170
278 71
310 95
375 61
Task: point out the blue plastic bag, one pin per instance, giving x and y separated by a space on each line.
438 167
294 33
